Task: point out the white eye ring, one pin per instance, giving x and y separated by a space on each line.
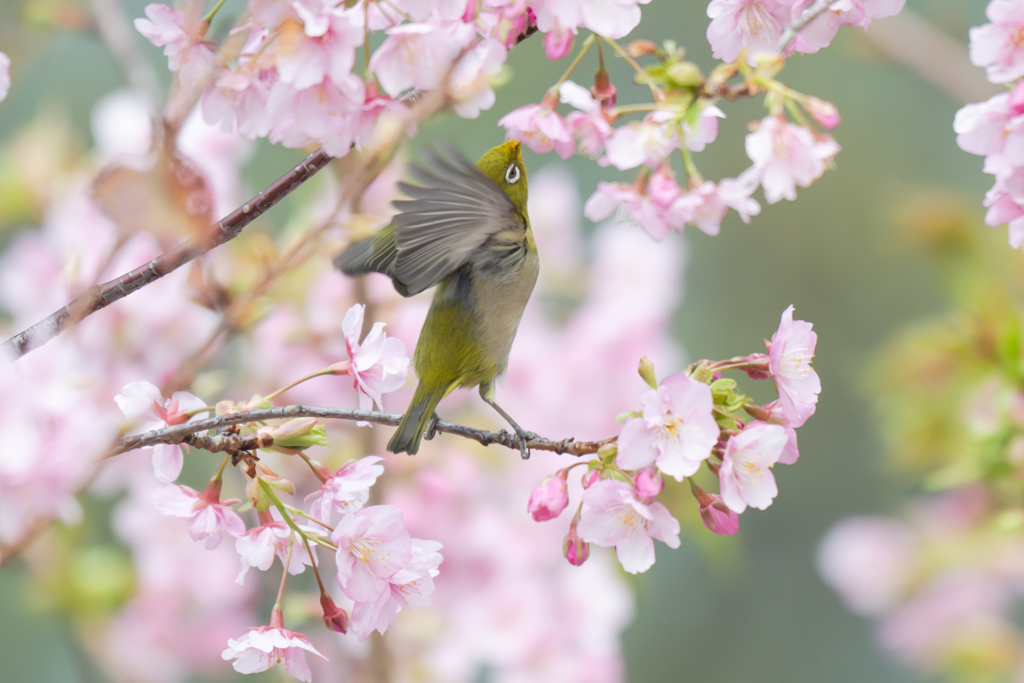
512 175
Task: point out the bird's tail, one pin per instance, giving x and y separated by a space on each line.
410 430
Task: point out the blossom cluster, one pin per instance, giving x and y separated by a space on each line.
689 420
994 128
381 569
683 118
294 81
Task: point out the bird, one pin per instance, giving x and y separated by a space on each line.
464 229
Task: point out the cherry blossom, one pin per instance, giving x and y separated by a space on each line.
325 48
377 365
549 499
646 142
756 25
469 83
5 75
996 45
181 36
861 12
540 128
705 206
408 588
786 155
613 517
824 113
704 132
372 546
650 207
207 515
417 56
346 490
258 546
264 647
676 432
145 407
789 358
745 474
588 126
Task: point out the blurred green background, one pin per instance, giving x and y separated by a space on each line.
750 608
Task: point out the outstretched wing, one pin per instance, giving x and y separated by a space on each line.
450 214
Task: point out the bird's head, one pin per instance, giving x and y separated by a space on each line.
504 165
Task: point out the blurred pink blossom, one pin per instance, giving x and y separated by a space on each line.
996 45
540 128
146 409
182 37
5 75
786 155
207 515
549 499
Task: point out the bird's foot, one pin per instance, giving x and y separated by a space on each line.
431 429
523 436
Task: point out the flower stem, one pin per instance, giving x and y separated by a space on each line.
576 62
209 16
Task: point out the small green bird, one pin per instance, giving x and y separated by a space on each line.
466 230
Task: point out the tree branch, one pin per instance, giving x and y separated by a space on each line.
100 296
232 443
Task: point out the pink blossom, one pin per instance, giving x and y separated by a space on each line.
145 407
704 132
469 83
651 210
258 546
182 38
207 515
326 114
869 561
996 45
676 432
861 12
325 48
588 126
549 499
646 142
612 516
348 489
378 365
705 206
987 128
540 128
786 155
575 549
557 43
416 56
819 32
5 75
825 113
372 545
789 358
264 647
745 474
410 587
754 25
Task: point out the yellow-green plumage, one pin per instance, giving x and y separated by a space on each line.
465 230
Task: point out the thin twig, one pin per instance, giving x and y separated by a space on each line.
185 433
809 15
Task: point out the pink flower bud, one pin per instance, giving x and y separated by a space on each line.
1016 102
576 551
648 484
549 498
557 43
825 113
715 513
335 618
589 477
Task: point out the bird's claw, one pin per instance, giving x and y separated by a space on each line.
431 429
523 437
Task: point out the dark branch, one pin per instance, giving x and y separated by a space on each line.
233 443
101 296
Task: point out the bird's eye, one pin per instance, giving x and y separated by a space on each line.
512 175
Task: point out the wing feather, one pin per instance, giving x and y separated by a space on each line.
452 211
